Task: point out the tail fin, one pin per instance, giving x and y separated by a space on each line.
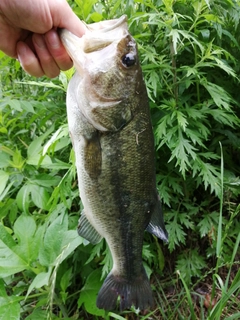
137 293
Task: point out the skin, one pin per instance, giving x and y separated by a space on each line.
28 32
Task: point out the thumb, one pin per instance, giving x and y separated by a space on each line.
68 19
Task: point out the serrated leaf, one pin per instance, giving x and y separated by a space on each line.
107 262
190 263
181 118
95 252
218 94
181 152
176 234
184 219
210 175
175 39
209 221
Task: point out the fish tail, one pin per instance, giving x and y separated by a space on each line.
136 293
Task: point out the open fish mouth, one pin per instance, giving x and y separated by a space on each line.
98 36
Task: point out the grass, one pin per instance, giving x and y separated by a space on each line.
177 301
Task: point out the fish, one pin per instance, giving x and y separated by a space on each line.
110 127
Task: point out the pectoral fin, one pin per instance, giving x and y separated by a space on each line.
111 117
87 231
93 156
156 225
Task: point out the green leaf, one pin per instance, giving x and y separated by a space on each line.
41 279
6 237
96 17
181 118
52 243
38 314
208 222
219 95
89 293
3 180
10 262
107 262
40 196
71 240
66 279
34 151
115 316
176 234
209 174
42 84
45 180
4 159
27 106
23 198
9 309
190 263
60 133
58 242
28 243
15 105
181 150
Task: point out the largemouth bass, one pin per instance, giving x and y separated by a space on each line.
111 131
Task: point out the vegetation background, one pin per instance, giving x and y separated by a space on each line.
190 55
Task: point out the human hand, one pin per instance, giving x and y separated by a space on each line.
28 32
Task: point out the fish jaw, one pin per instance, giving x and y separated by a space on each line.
97 37
107 86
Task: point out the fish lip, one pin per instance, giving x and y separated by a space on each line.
97 36
107 25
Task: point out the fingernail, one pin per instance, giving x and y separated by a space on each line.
21 51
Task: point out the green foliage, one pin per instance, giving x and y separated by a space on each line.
189 51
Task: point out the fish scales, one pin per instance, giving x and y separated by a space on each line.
110 127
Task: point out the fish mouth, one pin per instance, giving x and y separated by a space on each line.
97 36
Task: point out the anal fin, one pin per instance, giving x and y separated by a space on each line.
87 231
156 225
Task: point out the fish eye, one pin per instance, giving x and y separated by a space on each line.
128 60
